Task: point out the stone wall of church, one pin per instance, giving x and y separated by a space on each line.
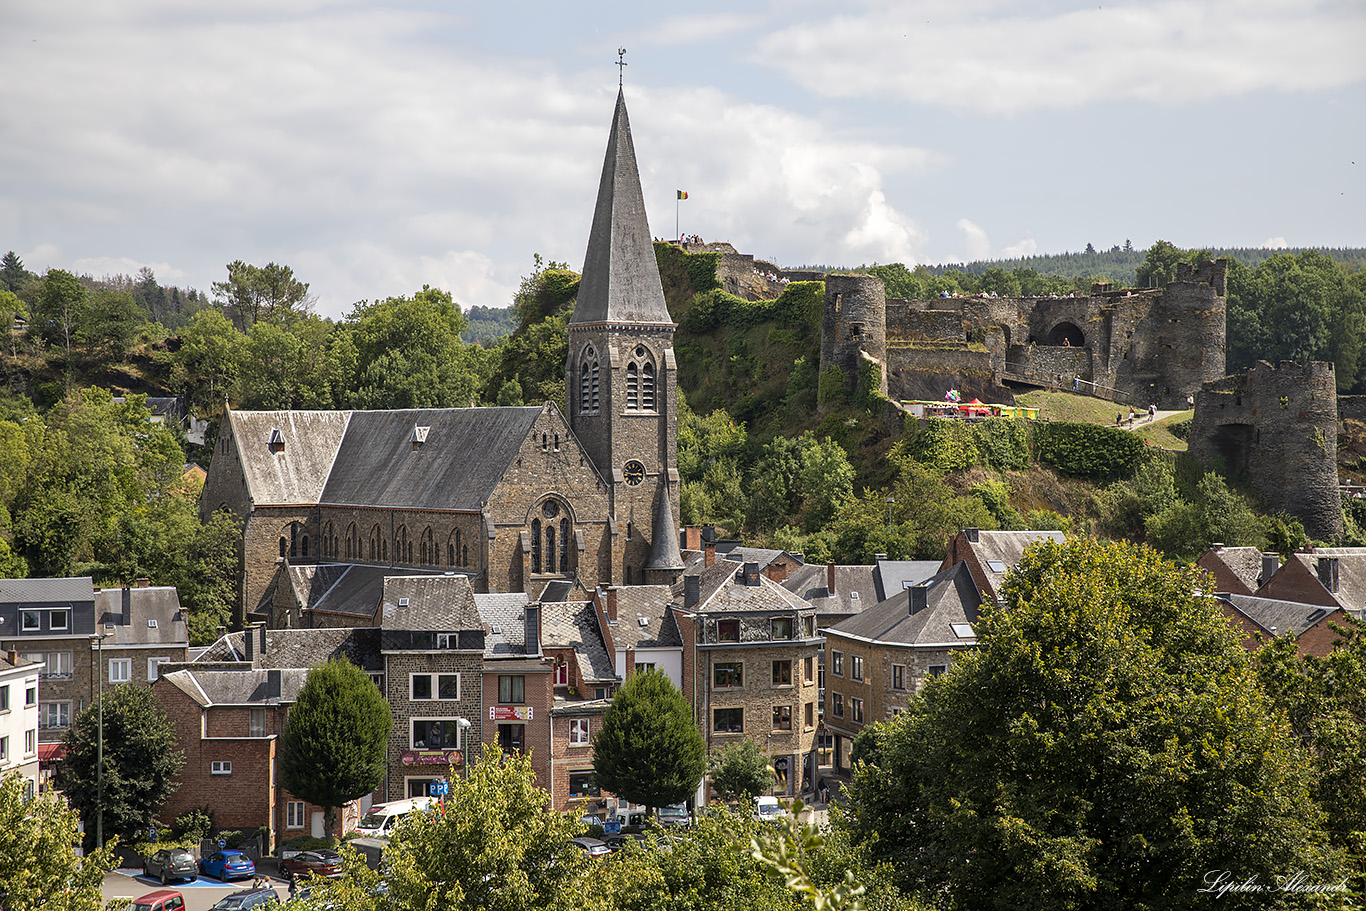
261 536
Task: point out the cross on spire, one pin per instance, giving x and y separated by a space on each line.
621 65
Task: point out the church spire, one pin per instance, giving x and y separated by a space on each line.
664 553
620 277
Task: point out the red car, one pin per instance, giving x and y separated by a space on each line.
327 864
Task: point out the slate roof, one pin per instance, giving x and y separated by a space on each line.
1283 617
574 624
301 648
651 604
951 597
718 590
376 464
438 603
1351 593
761 555
1005 548
620 277
348 589
855 588
504 619
1242 563
296 474
664 552
159 605
891 576
236 687
71 590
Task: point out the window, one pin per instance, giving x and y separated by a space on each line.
59 620
837 663
562 673
257 723
837 705
578 732
728 674
856 667
642 666
434 686
54 715
30 742
782 718
511 689
511 737
727 630
807 668
31 621
937 670
810 715
647 387
436 734
810 625
728 721
582 784
153 668
420 787
4 698
120 670
632 386
782 673
535 545
782 628
898 676
294 814
856 710
31 696
4 748
378 680
220 767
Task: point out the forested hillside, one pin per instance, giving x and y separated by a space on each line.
768 448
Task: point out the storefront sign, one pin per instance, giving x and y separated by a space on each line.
510 713
433 757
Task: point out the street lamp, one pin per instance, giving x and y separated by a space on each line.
890 501
464 725
97 643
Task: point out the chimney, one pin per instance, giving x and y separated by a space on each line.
692 592
1217 546
709 553
13 657
532 644
611 605
126 597
708 534
919 597
972 534
249 643
878 558
751 572
274 684
261 647
692 537
144 582
830 578
1270 563
776 571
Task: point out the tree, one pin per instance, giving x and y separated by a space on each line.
1107 746
59 310
648 748
141 761
13 275
267 293
740 772
335 740
39 868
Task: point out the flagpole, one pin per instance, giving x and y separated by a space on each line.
677 202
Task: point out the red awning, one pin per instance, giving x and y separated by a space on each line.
50 752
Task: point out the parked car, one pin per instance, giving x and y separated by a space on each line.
312 863
380 821
593 847
247 900
767 809
675 816
171 863
226 865
618 841
161 900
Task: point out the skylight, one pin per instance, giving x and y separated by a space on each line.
963 630
853 596
996 566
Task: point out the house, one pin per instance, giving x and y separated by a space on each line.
516 498
1310 625
85 638
877 659
991 554
1238 570
19 719
584 678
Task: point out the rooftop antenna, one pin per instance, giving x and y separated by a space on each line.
621 65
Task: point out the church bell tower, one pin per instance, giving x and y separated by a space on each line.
620 375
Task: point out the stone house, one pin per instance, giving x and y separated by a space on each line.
19 719
584 680
879 658
57 622
991 554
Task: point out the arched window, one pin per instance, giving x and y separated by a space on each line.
632 386
378 548
293 539
453 549
428 548
535 545
647 387
564 545
464 555
450 554
403 548
550 547
284 546
588 381
352 542
304 545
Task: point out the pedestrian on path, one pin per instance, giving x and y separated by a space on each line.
1152 413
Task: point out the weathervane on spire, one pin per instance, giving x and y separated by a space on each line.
621 64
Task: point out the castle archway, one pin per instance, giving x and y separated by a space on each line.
1234 444
1068 334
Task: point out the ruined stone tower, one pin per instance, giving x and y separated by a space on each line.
1277 428
854 326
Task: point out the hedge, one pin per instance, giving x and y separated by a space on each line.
1091 451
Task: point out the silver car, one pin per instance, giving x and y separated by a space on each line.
170 864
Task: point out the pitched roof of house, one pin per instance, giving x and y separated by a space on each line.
154 616
1277 617
574 624
1351 591
296 473
210 687
999 551
504 618
299 648
620 277
951 604
891 576
43 591
348 589
720 590
855 588
1241 563
649 603
438 603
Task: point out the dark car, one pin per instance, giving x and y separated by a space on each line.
312 863
171 863
616 842
226 865
248 899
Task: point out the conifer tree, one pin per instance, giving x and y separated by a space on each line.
649 749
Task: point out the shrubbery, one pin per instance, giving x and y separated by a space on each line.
1088 451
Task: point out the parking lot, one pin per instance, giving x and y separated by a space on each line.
200 895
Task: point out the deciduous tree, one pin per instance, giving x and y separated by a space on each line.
740 771
39 867
648 748
267 293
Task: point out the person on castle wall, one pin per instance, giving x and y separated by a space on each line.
1075 381
1190 401
1131 415
1067 342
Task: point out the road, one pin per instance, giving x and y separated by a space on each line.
200 895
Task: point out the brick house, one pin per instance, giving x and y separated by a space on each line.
1310 625
1238 570
19 719
584 680
55 622
1333 578
518 680
991 554
877 659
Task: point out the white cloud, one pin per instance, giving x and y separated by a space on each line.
999 57
977 245
1275 243
1025 246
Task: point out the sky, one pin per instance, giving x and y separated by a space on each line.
379 147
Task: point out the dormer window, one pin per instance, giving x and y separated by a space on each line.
418 437
277 440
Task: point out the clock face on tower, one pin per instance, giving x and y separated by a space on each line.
633 472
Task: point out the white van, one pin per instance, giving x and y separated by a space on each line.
767 809
380 821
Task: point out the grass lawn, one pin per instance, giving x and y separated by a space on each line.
1083 409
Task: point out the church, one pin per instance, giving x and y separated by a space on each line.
514 498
